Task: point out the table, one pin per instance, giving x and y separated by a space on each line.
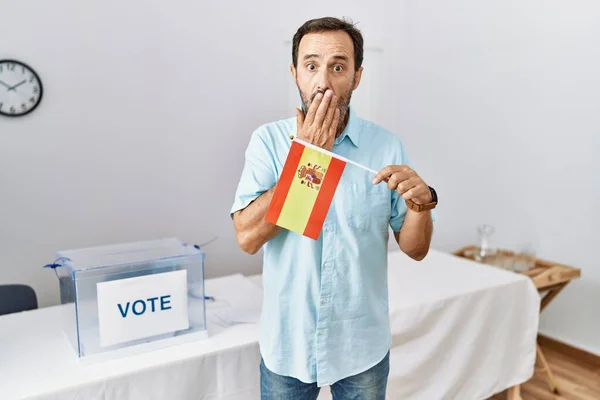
37 362
460 331
549 278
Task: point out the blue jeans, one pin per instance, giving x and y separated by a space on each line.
368 385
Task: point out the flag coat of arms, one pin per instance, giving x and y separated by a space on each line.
305 189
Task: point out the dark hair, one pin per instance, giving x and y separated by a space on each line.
330 24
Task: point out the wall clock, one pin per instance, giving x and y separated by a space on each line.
20 88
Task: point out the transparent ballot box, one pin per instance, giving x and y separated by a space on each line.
128 298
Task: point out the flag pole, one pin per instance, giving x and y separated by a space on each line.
329 153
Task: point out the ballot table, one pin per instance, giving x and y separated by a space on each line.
460 331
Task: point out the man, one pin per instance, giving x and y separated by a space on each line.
325 314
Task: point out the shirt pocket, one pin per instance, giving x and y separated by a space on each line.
369 206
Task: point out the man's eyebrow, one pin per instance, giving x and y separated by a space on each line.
335 57
306 57
340 57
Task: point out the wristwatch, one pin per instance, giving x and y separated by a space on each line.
423 207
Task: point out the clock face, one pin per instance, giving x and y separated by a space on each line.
20 88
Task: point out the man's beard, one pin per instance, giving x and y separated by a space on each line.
342 105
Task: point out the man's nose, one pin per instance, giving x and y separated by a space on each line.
324 82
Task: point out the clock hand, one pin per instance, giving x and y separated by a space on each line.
16 86
5 85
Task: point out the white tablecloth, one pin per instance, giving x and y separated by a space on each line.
461 331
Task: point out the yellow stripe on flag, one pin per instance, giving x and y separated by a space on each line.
301 199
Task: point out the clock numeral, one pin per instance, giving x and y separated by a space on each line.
23 71
1 68
31 79
24 106
1 104
35 89
13 110
32 100
11 67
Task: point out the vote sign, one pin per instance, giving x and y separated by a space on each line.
135 308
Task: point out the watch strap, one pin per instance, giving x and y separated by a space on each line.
423 207
420 207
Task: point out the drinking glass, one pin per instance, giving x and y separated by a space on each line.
524 259
485 249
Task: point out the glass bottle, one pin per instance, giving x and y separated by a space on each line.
485 250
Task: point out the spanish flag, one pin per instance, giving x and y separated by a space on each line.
305 189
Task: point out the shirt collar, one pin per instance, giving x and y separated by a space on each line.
352 129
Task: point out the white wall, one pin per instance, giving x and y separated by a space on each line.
147 110
148 107
500 102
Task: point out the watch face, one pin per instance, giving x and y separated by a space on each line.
20 88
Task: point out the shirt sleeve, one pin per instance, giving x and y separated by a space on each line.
399 207
258 174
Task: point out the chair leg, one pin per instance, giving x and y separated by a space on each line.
514 393
551 295
549 375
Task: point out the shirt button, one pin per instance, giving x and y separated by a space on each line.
323 301
328 228
326 264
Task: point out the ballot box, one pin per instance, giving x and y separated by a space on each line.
133 297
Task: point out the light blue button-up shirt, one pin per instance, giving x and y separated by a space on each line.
325 307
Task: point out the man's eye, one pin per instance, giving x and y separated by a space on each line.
311 67
338 68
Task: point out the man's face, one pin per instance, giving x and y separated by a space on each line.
326 61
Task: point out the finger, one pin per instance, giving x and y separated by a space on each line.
299 118
397 181
421 191
411 194
330 113
405 186
335 123
322 110
312 110
384 173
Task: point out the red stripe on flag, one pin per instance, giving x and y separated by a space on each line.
288 174
324 198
